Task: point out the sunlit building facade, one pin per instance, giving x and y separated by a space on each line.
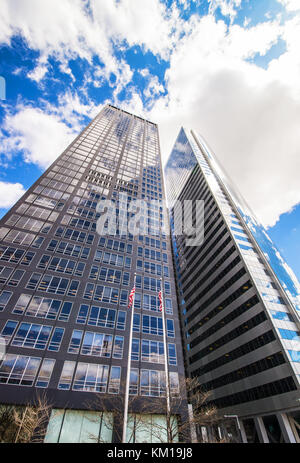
64 288
239 302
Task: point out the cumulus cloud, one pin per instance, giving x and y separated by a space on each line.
10 193
40 136
290 5
248 115
73 28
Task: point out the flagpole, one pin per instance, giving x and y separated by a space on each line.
128 370
166 354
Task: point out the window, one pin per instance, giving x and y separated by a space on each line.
72 426
8 330
118 347
56 338
66 375
36 336
52 284
16 255
152 351
101 316
19 370
4 298
289 334
101 293
10 277
114 380
281 316
295 355
152 383
43 307
45 373
90 377
68 249
97 344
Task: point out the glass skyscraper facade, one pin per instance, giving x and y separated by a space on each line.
239 301
64 288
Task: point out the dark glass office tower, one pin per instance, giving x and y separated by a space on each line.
239 302
64 288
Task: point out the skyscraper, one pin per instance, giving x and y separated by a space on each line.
64 288
239 301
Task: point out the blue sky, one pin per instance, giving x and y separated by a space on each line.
228 68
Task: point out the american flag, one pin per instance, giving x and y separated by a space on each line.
131 297
160 301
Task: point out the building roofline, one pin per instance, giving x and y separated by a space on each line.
134 115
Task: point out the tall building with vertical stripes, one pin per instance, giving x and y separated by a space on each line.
64 288
239 301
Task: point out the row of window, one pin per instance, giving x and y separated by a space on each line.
243 349
109 275
38 212
16 255
57 264
232 315
32 335
241 272
150 267
18 237
22 370
256 393
236 332
152 254
112 259
209 273
68 249
115 245
254 368
96 344
43 307
29 224
40 200
152 351
233 296
105 294
10 277
52 193
78 223
52 284
152 242
74 235
91 377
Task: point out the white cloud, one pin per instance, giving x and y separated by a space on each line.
10 193
41 136
290 5
248 115
68 29
38 73
227 7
